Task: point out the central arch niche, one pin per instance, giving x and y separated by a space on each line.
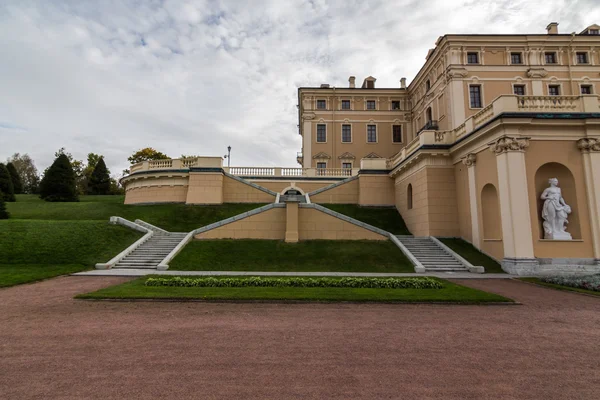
490 212
566 182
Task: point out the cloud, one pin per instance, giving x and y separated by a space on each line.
192 77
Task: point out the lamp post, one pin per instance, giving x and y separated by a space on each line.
228 156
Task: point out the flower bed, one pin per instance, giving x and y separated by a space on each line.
587 282
377 283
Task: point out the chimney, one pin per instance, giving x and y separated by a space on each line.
403 83
324 85
552 28
352 80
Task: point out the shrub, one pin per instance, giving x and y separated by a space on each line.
4 214
15 178
589 282
378 283
99 182
6 185
58 183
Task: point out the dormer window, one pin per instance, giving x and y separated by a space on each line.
594 32
370 85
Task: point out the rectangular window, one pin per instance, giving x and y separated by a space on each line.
370 104
551 58
371 133
554 90
345 104
321 133
472 58
515 58
321 104
395 105
594 31
346 133
519 90
321 165
475 96
582 58
347 165
586 89
397 133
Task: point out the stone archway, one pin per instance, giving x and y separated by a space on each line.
283 192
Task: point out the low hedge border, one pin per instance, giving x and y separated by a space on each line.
587 282
374 283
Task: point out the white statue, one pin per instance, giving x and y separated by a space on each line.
555 213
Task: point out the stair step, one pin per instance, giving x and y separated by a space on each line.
135 266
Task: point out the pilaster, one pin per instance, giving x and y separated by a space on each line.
470 161
590 149
291 221
514 204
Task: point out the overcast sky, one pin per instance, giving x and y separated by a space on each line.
191 77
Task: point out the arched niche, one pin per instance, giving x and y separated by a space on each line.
490 212
409 196
566 182
293 188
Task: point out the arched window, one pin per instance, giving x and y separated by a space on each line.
409 197
429 115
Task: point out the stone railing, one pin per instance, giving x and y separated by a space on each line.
501 104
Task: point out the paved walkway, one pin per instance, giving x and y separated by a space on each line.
52 346
143 272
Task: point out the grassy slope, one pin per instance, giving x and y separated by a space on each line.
15 274
472 255
172 217
537 281
273 255
450 293
386 218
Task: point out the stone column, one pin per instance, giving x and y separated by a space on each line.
291 221
469 161
514 205
590 149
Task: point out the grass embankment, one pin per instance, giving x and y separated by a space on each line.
472 255
386 218
305 256
538 281
450 293
172 217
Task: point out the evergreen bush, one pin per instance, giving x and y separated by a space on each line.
15 178
3 212
99 182
6 185
58 183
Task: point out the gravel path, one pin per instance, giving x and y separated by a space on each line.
54 347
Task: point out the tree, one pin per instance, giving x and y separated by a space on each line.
6 185
4 214
27 172
99 182
146 154
59 183
15 178
78 168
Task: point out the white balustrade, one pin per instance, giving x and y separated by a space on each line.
158 164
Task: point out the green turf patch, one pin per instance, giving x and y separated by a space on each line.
386 218
538 281
472 255
275 255
16 274
450 293
62 242
172 217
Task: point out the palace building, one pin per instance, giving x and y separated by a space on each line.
496 141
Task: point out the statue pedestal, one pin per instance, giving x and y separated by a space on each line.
558 236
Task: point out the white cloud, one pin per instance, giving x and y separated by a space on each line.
195 76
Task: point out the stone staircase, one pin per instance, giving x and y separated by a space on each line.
433 257
152 252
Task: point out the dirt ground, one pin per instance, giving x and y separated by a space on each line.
55 347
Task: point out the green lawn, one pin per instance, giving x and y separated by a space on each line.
386 218
537 281
16 274
451 293
274 255
172 217
472 255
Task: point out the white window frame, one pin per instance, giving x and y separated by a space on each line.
320 162
473 52
345 109
516 52
587 56
587 84
399 105
317 132
519 84
371 109
321 109
342 133
480 94
560 88
401 133
555 57
346 162
367 133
